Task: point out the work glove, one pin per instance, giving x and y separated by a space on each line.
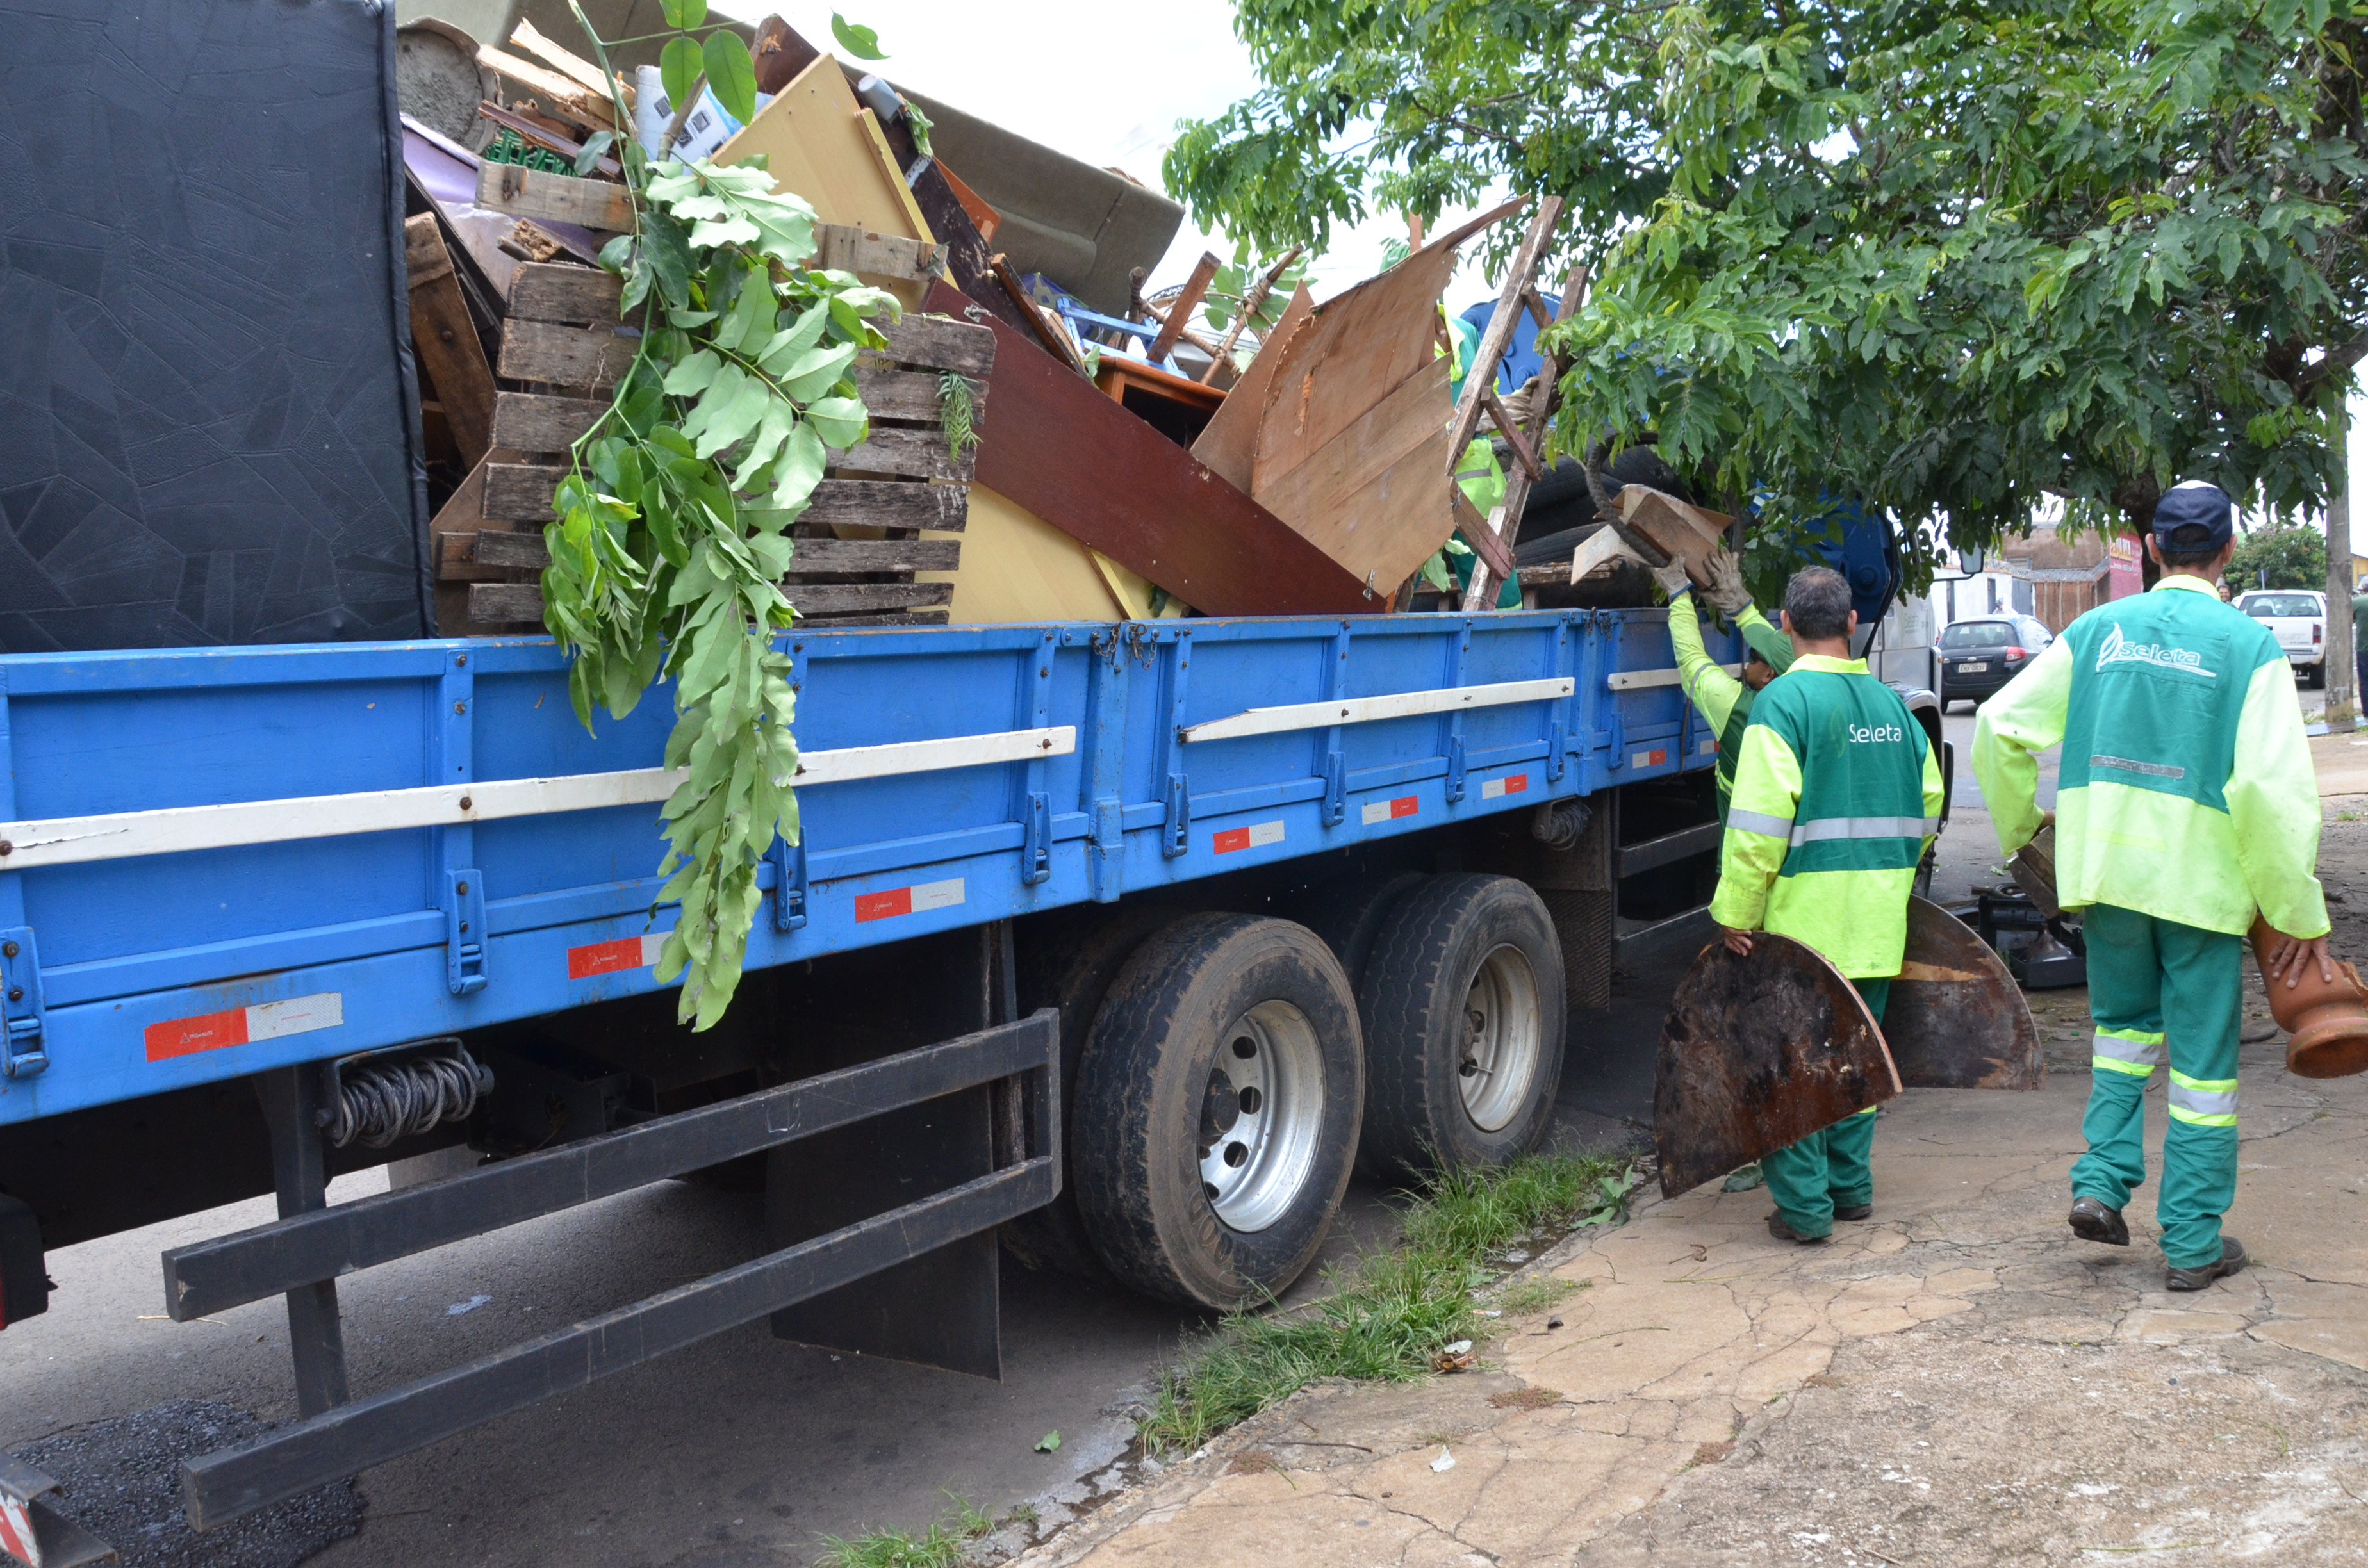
1727 590
1673 579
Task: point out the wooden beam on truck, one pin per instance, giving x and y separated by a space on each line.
444 338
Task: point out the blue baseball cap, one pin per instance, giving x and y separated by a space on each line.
2194 503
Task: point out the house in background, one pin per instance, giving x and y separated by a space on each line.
2045 576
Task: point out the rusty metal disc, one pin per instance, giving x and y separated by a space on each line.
1758 1052
1956 1020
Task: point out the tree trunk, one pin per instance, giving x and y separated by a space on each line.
2342 698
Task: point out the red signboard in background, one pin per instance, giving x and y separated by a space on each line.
2125 578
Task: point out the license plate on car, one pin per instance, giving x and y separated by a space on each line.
1973 669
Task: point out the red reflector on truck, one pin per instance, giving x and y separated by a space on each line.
238 1026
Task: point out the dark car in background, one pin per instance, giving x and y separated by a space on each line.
1979 655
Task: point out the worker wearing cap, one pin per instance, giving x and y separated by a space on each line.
1837 796
1724 700
2185 802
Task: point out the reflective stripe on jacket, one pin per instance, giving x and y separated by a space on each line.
1837 795
2186 791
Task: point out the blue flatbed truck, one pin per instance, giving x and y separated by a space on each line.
1117 945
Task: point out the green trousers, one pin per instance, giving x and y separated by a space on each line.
2153 983
1828 1169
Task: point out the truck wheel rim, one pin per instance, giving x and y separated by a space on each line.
1501 1031
1261 1116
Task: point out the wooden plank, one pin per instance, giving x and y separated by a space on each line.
586 357
520 493
566 147
1142 501
533 422
501 547
1477 593
559 93
1486 541
876 555
937 342
1598 551
456 561
1390 525
555 198
887 502
1229 443
829 599
574 67
581 296
1357 349
920 454
1520 275
1409 416
505 604
1512 434
1179 313
846 248
444 338
908 394
890 617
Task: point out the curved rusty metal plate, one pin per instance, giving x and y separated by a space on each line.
1758 1052
1956 1020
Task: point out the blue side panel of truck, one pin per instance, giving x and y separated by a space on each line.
128 976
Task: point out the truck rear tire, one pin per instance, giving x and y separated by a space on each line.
1069 964
1214 1122
1462 1001
1348 915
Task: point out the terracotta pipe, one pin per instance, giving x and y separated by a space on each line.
2329 1020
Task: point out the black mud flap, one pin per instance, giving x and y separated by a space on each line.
1004 1081
1758 1052
1956 1020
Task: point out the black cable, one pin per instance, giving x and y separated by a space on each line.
380 1102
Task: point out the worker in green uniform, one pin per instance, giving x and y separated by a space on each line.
2185 802
1724 699
2359 646
1837 796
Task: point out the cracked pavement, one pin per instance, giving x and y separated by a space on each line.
1958 1381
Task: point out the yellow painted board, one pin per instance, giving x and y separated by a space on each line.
818 143
1135 592
1017 567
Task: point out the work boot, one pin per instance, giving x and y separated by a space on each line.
1785 1232
2232 1258
2093 1222
1855 1211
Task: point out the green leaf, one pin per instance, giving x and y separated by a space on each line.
816 371
841 422
858 42
679 66
732 73
1049 1443
693 375
684 13
593 146
791 343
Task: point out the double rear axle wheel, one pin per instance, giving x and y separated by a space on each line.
1237 1068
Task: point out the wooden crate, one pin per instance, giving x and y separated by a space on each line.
858 544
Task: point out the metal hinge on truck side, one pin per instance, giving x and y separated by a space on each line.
23 1051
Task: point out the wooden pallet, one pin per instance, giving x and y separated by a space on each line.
858 545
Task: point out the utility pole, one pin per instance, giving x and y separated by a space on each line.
2342 698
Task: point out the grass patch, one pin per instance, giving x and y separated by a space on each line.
944 1544
1391 1312
1526 1296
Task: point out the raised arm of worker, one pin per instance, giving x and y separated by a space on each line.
2010 732
1707 686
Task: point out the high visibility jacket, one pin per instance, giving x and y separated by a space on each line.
1724 700
1837 796
2186 791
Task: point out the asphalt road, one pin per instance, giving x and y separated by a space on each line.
741 1451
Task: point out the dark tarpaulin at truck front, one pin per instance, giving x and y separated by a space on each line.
209 431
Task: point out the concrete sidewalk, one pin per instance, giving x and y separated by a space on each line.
1958 1381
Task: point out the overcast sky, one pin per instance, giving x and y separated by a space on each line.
1104 83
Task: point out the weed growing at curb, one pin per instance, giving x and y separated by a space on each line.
1524 1297
943 1545
1391 1310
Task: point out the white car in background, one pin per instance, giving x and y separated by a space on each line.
2297 618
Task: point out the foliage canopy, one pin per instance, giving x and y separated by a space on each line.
2278 558
1952 258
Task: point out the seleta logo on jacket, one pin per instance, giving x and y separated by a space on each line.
2118 649
1874 734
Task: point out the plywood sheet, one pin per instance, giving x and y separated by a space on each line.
1353 353
1414 415
1016 567
1229 443
818 144
1388 526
